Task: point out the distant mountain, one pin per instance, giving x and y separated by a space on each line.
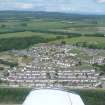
46 15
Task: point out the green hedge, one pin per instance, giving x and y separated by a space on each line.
17 95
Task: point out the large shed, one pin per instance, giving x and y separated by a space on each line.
52 97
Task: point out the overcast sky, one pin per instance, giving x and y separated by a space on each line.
74 6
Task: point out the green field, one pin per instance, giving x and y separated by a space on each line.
16 28
17 95
27 39
27 34
85 26
83 41
33 24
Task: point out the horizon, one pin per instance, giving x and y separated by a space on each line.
62 6
52 12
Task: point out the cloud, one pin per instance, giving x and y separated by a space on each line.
101 1
21 5
57 5
54 5
14 5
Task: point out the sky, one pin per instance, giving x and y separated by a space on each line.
68 6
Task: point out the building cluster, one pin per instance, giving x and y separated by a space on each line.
98 60
32 76
52 66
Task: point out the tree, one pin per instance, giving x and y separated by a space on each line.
68 36
59 37
1 81
24 24
63 42
3 26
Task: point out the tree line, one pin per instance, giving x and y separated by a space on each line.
21 43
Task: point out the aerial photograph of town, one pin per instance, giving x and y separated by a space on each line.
52 44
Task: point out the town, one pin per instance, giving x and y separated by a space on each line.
57 65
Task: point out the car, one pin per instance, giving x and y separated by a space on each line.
52 97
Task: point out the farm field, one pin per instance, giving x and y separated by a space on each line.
27 34
39 37
84 41
58 26
16 26
71 23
